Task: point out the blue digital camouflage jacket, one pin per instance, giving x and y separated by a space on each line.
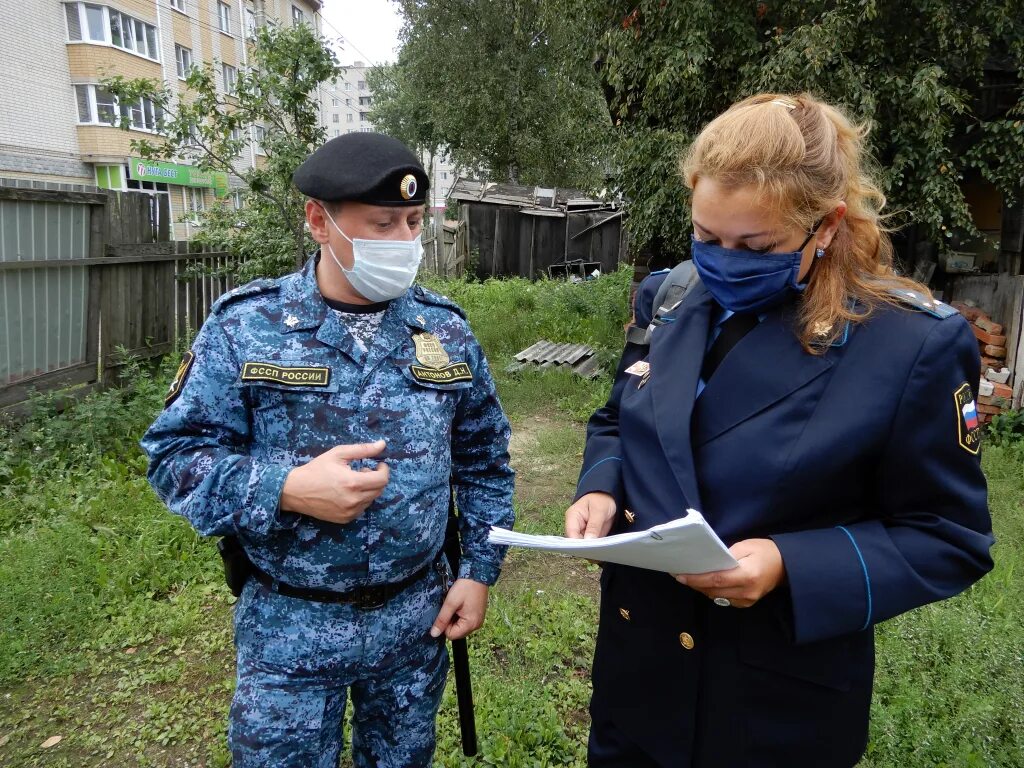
274 379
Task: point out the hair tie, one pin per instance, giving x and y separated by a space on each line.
783 103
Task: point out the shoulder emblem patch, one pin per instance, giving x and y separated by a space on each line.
968 428
179 378
299 376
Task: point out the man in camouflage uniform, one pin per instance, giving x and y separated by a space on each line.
317 419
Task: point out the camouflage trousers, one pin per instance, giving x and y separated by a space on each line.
299 660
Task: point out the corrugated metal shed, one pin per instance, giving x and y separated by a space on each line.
547 354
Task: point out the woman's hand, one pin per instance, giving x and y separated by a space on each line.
590 517
760 571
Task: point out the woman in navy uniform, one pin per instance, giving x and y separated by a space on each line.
819 411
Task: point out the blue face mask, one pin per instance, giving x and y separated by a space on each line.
744 281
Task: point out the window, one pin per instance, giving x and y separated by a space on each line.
348 118
334 101
364 101
260 134
298 17
362 85
445 175
99 24
230 78
178 5
142 115
348 86
336 118
183 56
236 199
192 138
224 16
95 105
337 134
362 117
348 102
96 25
250 23
74 22
98 106
365 130
194 201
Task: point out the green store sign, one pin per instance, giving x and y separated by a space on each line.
181 175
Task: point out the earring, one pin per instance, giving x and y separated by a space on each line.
819 253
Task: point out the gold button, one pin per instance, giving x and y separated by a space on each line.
630 517
624 613
686 640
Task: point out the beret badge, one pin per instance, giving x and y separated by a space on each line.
408 187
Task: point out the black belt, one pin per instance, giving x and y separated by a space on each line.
365 598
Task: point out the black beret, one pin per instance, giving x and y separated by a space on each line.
365 167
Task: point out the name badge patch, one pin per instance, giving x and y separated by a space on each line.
302 376
447 375
968 428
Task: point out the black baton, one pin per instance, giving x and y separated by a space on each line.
460 651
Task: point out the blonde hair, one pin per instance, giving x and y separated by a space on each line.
805 157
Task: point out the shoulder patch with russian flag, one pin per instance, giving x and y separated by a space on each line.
968 428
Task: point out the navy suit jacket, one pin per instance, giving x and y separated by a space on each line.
859 465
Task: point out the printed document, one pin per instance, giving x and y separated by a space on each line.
686 545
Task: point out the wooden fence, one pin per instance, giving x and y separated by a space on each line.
87 274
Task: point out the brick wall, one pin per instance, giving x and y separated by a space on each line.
86 63
37 102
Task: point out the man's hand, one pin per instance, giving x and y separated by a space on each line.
463 610
329 489
760 571
590 517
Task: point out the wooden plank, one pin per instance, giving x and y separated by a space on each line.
139 249
82 373
52 196
103 261
143 352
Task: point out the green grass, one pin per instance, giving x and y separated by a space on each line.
116 624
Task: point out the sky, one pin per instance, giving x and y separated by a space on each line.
369 27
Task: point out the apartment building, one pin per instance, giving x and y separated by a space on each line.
57 121
346 105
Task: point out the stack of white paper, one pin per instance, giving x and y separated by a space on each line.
686 545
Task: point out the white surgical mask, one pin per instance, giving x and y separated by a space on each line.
382 269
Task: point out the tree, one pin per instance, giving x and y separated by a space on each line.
276 102
920 71
505 86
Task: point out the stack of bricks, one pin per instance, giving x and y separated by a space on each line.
995 394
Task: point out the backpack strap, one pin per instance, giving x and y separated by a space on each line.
673 289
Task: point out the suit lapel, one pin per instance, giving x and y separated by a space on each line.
676 355
765 366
